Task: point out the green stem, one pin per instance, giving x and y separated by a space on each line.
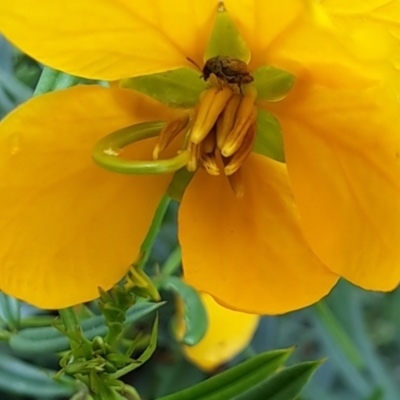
350 374
47 81
152 233
106 152
173 262
64 81
70 321
380 374
51 80
339 334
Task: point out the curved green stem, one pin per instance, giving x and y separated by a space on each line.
106 152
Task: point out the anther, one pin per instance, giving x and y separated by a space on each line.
236 161
169 132
209 162
194 150
208 144
226 120
238 133
211 106
236 182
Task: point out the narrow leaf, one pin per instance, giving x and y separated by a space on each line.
21 378
49 340
285 385
236 380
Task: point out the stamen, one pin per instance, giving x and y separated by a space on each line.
194 151
211 106
226 120
208 144
209 162
237 135
236 182
169 132
244 150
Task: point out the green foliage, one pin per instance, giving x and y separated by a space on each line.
235 380
36 341
194 313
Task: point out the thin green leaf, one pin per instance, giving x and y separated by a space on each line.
148 352
340 336
42 340
21 378
235 380
9 311
46 81
345 368
285 385
173 262
51 80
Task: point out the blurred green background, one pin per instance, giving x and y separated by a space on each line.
359 332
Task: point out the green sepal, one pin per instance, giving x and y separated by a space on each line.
236 380
272 84
226 40
179 88
194 312
284 385
43 340
269 141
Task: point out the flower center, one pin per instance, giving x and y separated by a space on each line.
221 133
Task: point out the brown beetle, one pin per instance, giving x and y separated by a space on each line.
227 70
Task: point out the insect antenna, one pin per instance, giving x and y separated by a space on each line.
196 65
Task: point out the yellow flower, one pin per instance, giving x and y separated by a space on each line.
228 333
333 209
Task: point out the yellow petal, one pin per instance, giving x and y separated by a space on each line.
342 149
229 332
68 226
249 253
262 22
290 34
102 39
